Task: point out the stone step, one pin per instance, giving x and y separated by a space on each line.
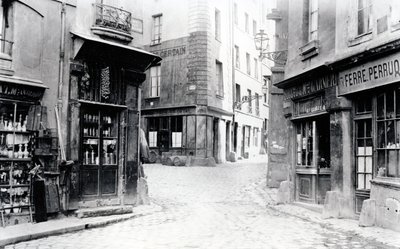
103 211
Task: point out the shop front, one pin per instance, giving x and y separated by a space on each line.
105 89
374 89
19 133
310 106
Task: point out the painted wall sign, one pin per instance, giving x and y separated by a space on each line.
170 52
308 106
310 87
369 75
20 92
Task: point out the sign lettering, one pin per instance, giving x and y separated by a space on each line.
20 92
171 52
369 75
310 87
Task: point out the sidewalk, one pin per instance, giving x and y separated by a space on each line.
268 197
28 231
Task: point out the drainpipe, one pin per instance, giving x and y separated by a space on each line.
232 28
61 66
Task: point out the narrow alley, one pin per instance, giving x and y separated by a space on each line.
207 207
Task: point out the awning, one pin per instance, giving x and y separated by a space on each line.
86 46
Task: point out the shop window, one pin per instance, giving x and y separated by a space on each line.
313 136
155 81
152 139
102 83
176 131
100 139
16 151
388 133
364 16
156 31
364 153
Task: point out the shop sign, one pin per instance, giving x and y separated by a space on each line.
20 92
171 52
370 75
311 86
309 106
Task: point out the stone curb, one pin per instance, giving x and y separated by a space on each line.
74 228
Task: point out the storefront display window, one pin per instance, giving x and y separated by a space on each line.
16 145
313 143
100 152
388 133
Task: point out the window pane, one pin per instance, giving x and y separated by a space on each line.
360 164
360 147
368 128
360 129
390 136
381 159
390 105
392 163
381 135
380 106
398 101
368 165
368 178
360 181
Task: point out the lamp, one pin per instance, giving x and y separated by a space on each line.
261 41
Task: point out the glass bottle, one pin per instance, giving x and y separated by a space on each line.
20 153
26 152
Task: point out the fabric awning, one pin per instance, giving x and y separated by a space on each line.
86 46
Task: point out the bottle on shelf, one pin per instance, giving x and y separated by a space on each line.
2 123
20 152
2 139
18 126
10 126
86 160
92 161
26 152
23 127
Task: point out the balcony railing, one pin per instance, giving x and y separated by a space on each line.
113 18
6 46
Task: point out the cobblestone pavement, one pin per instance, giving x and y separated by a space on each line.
218 207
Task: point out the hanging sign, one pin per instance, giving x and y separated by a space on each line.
369 75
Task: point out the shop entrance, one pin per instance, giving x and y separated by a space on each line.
99 153
313 159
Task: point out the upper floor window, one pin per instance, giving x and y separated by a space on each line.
219 78
395 12
267 81
248 63
155 80
238 97
246 25
250 105
313 20
217 24
255 68
157 24
237 57
364 22
254 28
235 13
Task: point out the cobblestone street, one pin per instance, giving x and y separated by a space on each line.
217 207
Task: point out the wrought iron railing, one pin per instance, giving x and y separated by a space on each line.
6 46
114 18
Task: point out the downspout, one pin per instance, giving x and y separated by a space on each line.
232 25
61 66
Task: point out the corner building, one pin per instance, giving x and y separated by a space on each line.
189 98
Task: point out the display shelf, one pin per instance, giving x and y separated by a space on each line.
109 138
90 137
15 186
16 132
4 159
